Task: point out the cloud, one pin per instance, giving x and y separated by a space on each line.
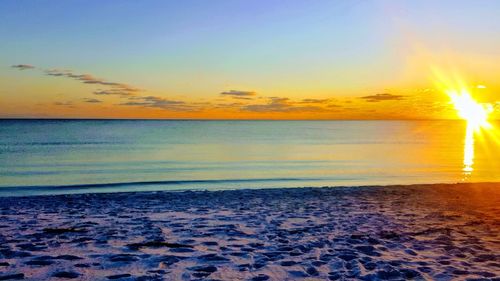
242 98
92 100
238 94
114 87
23 66
131 93
120 89
159 102
229 105
382 97
135 97
118 92
320 101
277 104
64 103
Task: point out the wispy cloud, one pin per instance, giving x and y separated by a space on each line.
64 103
315 101
89 100
115 88
131 93
112 88
382 97
229 105
277 104
238 94
240 101
117 92
23 66
159 102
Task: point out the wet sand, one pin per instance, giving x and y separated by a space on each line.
435 232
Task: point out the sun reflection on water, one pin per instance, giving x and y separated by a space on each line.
473 112
468 152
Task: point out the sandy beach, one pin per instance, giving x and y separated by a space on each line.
238 140
435 232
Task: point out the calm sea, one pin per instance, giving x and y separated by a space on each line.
72 156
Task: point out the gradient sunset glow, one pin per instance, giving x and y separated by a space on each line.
245 59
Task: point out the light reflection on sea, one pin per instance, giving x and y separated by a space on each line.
50 155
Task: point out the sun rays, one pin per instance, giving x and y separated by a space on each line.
475 114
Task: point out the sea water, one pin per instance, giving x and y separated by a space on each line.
75 156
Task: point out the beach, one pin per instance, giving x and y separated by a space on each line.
434 232
239 140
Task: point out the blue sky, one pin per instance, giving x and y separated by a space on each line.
196 49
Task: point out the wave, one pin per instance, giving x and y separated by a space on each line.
24 143
162 182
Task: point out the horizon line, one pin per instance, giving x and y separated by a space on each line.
231 119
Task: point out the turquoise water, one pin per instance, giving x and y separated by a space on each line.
68 156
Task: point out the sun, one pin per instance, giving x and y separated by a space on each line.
476 114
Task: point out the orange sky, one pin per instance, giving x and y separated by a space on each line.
371 60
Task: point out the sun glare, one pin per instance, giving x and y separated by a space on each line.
474 113
476 116
469 109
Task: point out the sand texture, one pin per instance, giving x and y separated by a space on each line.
432 232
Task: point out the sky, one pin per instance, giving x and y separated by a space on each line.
352 59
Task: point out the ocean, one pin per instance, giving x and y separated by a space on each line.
82 156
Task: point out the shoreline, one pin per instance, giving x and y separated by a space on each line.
395 232
80 188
